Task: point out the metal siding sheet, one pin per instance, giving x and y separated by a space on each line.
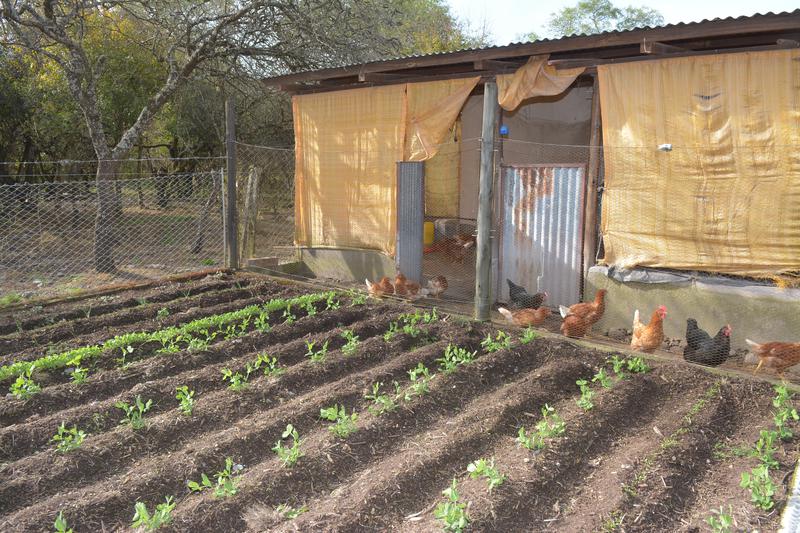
410 218
542 231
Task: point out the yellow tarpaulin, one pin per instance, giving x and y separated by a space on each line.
534 78
347 145
442 177
725 196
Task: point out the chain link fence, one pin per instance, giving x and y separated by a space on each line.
161 225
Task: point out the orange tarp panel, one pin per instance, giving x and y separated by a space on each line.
726 198
534 78
347 146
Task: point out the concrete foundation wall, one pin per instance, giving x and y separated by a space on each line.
347 264
756 312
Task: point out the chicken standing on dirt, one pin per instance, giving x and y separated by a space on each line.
588 312
525 317
521 299
437 285
408 289
380 289
777 355
573 326
648 337
702 349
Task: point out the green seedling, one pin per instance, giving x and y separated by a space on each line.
162 313
332 303
721 521
485 468
501 341
244 325
262 323
288 317
289 455
160 517
61 525
351 347
68 439
381 403
134 414
618 364
186 399
358 299
785 412
289 512
412 330
24 387
551 425
270 365
226 484
765 448
452 512
528 335
637 365
762 489
585 401
310 309
319 355
344 424
126 351
602 378
430 317
419 376
79 375
454 356
236 381
391 332
197 345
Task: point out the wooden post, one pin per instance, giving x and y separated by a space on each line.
593 172
231 229
483 280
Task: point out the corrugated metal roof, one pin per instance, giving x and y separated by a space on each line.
676 26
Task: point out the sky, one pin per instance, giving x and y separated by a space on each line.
509 20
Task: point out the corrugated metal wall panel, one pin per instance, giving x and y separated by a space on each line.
410 218
542 230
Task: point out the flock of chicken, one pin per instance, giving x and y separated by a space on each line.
528 310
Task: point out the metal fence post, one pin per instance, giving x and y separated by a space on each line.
483 263
231 229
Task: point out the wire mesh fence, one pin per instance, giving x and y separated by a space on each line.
159 225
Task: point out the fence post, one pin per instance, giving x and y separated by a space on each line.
231 229
483 263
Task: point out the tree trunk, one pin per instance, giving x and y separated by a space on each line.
105 235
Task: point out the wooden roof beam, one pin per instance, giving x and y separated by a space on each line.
494 65
380 77
659 48
787 43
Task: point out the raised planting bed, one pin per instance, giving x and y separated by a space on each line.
250 405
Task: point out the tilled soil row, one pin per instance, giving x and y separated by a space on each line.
331 462
541 485
99 414
18 322
101 454
665 491
88 331
397 484
247 440
111 379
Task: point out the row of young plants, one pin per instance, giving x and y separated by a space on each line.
194 336
452 512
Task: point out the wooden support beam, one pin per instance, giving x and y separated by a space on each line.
231 229
787 43
658 48
379 77
483 263
574 63
494 65
592 175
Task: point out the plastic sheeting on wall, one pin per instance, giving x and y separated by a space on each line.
347 144
534 78
726 198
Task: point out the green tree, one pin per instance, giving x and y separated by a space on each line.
595 16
